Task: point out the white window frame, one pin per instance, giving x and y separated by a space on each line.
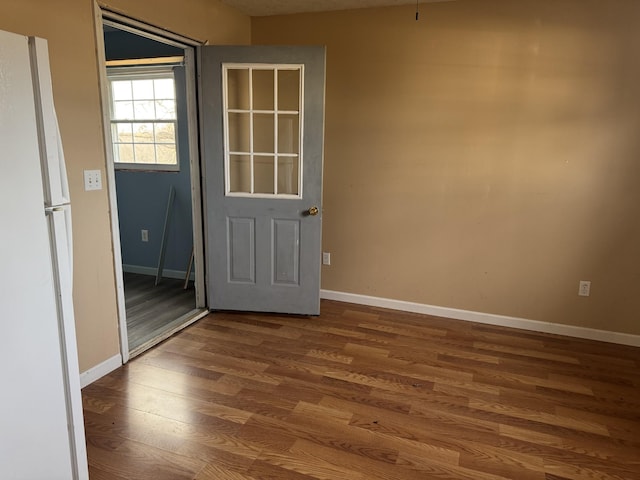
143 73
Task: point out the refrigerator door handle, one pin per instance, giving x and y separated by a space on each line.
56 186
50 210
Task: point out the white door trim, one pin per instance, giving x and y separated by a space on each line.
101 16
196 176
136 26
111 188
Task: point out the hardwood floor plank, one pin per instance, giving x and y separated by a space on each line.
366 465
211 471
135 461
263 470
604 451
97 474
429 468
219 455
542 417
366 393
502 466
319 431
306 462
580 472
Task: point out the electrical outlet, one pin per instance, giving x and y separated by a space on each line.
92 180
585 288
326 258
144 235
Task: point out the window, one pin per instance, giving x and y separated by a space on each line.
143 119
263 120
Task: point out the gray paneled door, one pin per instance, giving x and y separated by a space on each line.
263 136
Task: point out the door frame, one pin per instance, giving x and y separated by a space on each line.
101 15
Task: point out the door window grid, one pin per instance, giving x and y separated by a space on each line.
263 150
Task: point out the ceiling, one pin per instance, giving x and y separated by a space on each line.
260 8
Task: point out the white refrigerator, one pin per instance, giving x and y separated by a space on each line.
41 422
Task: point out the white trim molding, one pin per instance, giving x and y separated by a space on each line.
152 271
180 323
100 370
486 318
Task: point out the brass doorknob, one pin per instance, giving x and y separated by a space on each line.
313 211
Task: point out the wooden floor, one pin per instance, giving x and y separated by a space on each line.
363 393
151 309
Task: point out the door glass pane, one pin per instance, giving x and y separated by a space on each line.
238 88
240 173
263 90
239 132
289 90
288 134
263 133
263 171
288 175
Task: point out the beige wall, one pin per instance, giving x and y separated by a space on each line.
486 157
483 158
69 27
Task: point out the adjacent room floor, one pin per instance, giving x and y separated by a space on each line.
365 393
153 310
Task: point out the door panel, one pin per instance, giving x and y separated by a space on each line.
263 138
242 250
286 252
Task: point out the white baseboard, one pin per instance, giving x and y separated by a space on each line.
100 370
152 271
487 318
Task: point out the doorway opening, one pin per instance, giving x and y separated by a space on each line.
148 94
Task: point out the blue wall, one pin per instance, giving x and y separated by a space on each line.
142 196
121 45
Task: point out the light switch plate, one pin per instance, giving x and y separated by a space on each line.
92 180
